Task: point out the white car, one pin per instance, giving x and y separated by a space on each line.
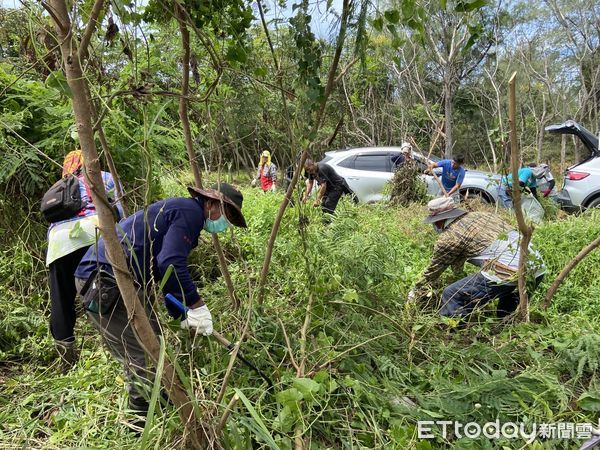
581 188
367 170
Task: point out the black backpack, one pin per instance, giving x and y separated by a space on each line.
63 200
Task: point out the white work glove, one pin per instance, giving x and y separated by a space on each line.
273 188
200 320
253 182
411 296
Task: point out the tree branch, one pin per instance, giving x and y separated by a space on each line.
90 28
317 124
568 268
115 252
526 230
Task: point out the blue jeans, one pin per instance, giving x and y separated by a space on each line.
503 198
463 296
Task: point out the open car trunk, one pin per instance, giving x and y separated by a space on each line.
589 139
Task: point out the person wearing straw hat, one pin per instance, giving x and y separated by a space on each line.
267 173
68 240
484 240
157 241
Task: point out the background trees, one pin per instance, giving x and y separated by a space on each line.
431 71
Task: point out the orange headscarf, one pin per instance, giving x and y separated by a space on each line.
73 162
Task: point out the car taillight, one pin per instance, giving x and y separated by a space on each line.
576 176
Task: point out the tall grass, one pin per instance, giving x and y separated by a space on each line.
372 368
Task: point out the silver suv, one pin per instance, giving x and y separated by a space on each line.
367 170
581 187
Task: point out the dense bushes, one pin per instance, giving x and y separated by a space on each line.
372 368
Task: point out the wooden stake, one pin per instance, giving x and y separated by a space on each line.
525 229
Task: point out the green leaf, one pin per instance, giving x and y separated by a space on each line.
469 5
378 23
260 72
443 4
264 434
285 419
307 387
589 401
58 81
166 276
424 445
433 414
290 397
350 295
392 15
236 53
155 393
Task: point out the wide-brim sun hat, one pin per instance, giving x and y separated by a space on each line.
442 208
230 196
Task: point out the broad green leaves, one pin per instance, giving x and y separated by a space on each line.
302 395
58 81
590 401
392 16
466 6
308 55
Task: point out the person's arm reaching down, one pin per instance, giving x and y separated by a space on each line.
309 187
320 193
459 181
178 242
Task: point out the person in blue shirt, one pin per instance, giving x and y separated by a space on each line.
453 174
527 181
157 241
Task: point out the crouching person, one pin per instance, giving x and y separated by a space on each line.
157 242
486 241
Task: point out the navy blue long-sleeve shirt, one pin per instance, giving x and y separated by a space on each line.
164 237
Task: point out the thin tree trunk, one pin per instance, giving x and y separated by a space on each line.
120 196
139 320
317 125
563 152
448 117
187 133
183 100
540 143
567 269
526 230
541 131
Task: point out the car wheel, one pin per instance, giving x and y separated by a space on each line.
594 203
475 195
